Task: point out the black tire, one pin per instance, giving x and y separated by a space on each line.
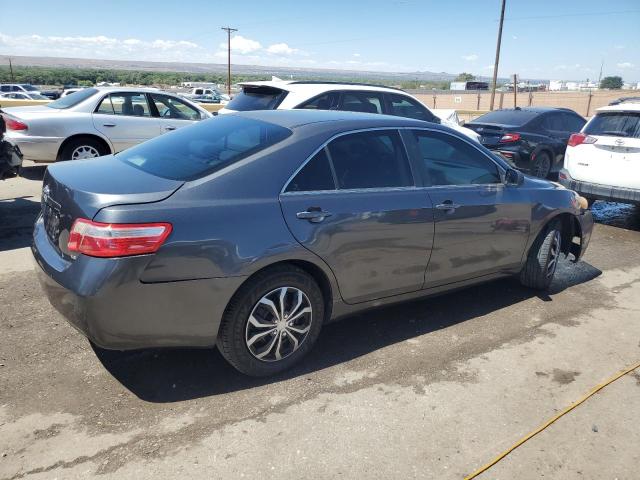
538 271
80 142
233 335
590 201
541 165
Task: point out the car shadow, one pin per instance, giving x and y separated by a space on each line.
17 216
33 172
171 375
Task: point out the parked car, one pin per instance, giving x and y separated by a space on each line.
211 98
10 155
23 96
18 87
251 231
532 139
96 121
603 160
355 97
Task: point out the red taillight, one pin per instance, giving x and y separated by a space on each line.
116 239
510 137
579 138
13 124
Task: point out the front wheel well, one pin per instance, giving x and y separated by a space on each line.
106 149
570 230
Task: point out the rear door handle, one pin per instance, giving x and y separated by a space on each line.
447 206
169 128
313 215
108 124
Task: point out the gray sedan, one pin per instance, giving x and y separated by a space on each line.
96 121
252 230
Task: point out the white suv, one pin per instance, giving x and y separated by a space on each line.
356 97
602 162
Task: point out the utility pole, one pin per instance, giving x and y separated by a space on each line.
599 76
495 65
515 90
229 30
11 70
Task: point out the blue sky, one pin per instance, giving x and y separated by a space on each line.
561 39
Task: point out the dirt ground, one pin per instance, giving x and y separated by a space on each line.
428 389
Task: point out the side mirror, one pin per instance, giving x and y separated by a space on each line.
513 177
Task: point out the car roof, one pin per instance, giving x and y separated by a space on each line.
539 109
621 107
297 118
126 89
319 87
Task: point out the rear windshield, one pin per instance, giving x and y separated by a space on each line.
257 98
507 117
72 99
198 150
618 124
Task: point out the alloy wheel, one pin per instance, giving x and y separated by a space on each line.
278 324
542 166
554 254
84 151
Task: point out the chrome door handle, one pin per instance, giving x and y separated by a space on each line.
447 206
169 128
108 124
313 215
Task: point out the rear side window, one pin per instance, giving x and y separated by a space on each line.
370 160
450 161
403 106
257 98
73 99
315 175
326 101
554 122
573 123
507 117
618 124
129 104
368 102
203 148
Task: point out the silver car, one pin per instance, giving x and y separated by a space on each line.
96 121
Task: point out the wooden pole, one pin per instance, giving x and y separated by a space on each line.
495 65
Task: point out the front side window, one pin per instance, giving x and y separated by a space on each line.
204 147
450 161
367 102
370 160
617 124
170 107
403 106
327 101
314 176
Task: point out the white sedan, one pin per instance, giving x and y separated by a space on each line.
96 121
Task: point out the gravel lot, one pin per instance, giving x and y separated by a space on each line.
428 389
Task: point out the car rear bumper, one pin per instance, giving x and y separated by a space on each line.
601 192
37 149
104 300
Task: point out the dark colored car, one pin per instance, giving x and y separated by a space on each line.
531 139
252 230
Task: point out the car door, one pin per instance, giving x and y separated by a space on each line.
126 119
356 206
481 225
173 113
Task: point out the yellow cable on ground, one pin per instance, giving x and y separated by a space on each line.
539 429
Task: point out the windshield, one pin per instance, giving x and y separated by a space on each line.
507 117
198 150
617 124
73 99
257 98
29 88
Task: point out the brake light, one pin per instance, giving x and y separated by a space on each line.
116 239
13 124
579 138
510 137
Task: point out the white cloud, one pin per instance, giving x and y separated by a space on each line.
281 49
242 45
625 65
470 58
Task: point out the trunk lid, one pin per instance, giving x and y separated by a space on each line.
83 187
490 133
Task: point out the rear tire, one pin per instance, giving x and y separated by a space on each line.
541 165
82 148
543 257
262 324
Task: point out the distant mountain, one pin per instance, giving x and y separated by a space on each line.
282 72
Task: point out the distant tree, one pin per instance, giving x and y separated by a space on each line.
465 77
613 83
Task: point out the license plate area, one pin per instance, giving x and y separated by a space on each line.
51 218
